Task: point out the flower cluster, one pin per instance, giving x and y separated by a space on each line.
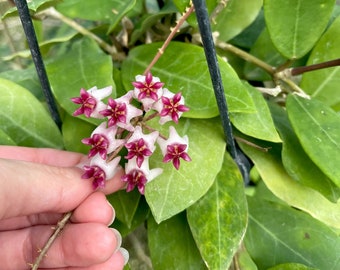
125 127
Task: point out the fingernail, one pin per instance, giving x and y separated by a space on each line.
113 215
118 237
125 254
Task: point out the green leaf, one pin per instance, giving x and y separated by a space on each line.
263 49
149 19
259 124
108 10
295 160
27 78
324 84
291 266
24 119
125 205
33 6
289 235
290 191
235 17
172 246
175 190
140 216
5 139
83 66
224 206
188 73
296 25
318 129
74 130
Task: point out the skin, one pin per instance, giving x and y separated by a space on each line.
37 187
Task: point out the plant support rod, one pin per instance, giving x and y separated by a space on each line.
215 74
27 25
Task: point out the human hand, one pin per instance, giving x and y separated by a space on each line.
37 187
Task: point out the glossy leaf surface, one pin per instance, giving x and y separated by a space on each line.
218 220
5 139
125 205
323 84
318 129
178 249
289 235
175 190
290 191
24 119
187 72
108 10
259 124
297 163
290 22
235 17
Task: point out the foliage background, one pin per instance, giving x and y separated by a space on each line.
205 216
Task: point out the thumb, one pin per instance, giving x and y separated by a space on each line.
31 188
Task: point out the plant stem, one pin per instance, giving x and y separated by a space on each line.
169 38
246 56
37 59
299 70
52 12
59 228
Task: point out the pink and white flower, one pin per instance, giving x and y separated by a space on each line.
100 170
103 141
139 176
174 148
170 106
141 145
120 112
90 101
148 90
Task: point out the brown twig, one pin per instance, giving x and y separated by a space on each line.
299 70
57 231
169 38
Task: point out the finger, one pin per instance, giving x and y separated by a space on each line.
36 188
42 155
79 245
95 208
116 262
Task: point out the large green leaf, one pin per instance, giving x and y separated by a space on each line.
292 192
83 66
295 160
74 130
187 72
318 129
295 25
324 84
175 190
27 78
5 139
106 10
265 50
172 246
125 205
235 17
33 6
278 234
24 119
291 266
224 207
259 124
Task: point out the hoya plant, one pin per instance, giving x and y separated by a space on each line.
223 114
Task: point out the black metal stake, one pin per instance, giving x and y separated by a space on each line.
210 53
37 58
